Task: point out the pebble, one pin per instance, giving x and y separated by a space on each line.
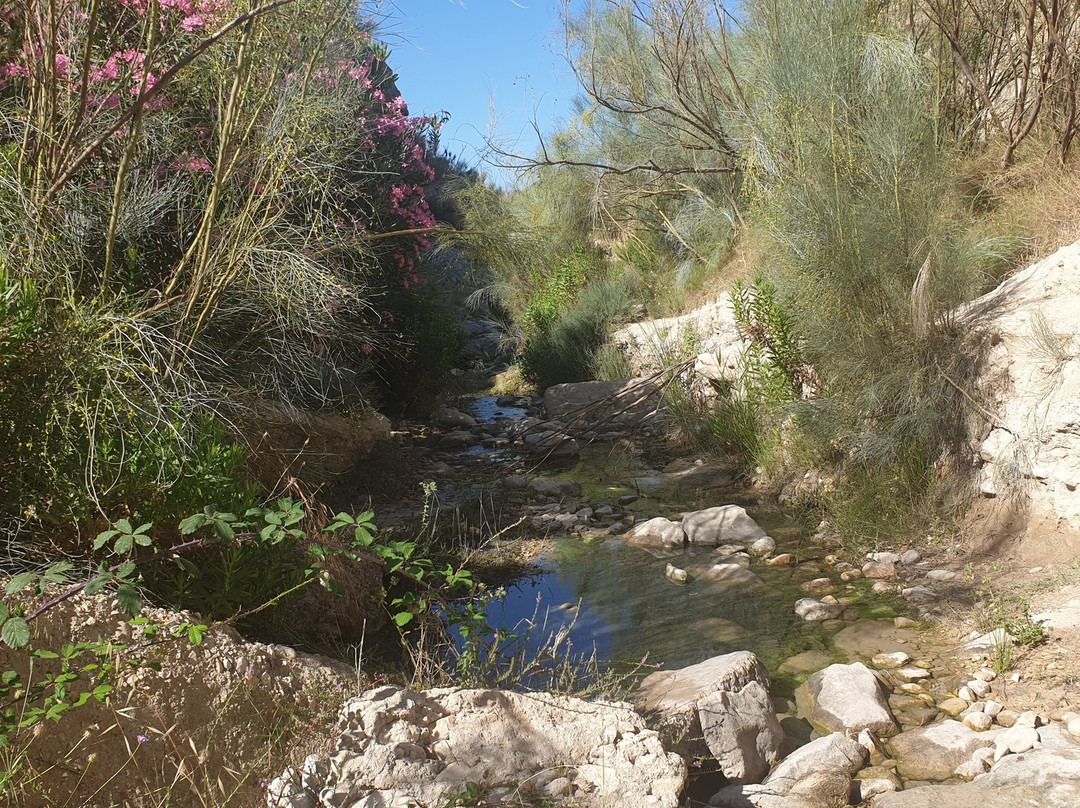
1074 727
891 660
979 687
818 586
911 557
1028 718
851 575
992 708
904 622
967 694
1007 717
953 706
912 674
940 575
978 721
1016 740
782 560
985 675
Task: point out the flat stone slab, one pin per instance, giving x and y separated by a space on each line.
678 690
865 638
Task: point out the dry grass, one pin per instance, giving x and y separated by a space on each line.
1035 199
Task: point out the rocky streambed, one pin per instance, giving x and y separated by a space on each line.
791 674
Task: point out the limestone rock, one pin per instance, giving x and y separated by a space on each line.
847 698
659 532
741 731
431 742
829 753
933 752
721 525
676 690
813 611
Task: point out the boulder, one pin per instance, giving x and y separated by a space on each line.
657 532
547 487
725 700
430 743
677 690
721 525
1025 329
450 418
846 698
834 752
933 752
741 731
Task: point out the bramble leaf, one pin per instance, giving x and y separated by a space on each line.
15 633
19 582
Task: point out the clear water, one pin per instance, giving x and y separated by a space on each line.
614 597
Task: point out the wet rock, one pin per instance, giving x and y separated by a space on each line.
878 570
450 418
846 698
763 546
547 487
934 752
658 532
675 575
814 611
726 573
781 560
721 525
806 662
919 594
818 587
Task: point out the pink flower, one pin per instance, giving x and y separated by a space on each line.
193 23
14 70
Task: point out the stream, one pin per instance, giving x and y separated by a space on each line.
613 596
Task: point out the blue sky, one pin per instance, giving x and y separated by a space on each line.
482 60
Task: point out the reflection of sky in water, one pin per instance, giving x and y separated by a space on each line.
629 608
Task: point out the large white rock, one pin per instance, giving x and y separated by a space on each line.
1027 330
829 753
649 345
726 524
727 699
847 698
657 532
814 611
428 743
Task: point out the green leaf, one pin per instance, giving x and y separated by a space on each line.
4 613
193 523
123 525
224 531
403 618
45 653
56 573
97 583
125 569
130 602
15 633
141 529
142 539
123 543
103 538
19 582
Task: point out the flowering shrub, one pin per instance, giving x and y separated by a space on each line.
213 200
